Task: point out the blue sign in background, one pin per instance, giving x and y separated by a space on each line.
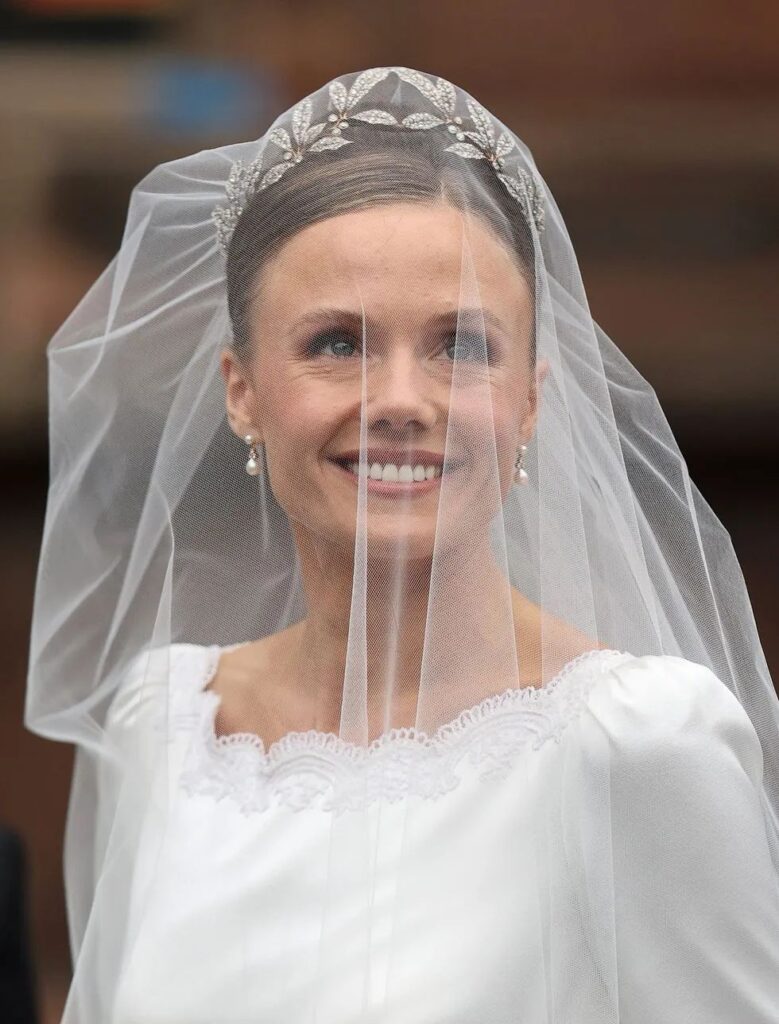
187 96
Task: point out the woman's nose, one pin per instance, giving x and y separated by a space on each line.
400 390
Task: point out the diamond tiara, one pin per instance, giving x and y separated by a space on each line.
475 140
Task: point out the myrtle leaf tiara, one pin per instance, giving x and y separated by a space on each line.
477 142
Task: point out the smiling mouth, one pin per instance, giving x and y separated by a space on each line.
393 479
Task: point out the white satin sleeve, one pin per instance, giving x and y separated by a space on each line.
132 740
144 755
696 892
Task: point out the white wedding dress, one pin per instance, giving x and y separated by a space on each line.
478 894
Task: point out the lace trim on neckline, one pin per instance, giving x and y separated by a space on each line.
316 769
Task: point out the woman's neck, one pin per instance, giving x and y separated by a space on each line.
465 628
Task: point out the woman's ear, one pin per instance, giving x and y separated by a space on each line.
239 396
528 425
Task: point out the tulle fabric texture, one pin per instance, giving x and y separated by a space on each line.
155 538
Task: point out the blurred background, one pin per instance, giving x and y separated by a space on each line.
655 126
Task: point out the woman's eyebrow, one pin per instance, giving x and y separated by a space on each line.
449 318
329 313
470 316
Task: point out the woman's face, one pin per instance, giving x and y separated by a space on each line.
389 280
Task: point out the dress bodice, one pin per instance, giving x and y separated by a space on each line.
464 876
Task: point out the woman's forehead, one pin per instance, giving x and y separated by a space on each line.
401 255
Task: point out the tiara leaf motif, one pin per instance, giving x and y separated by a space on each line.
477 142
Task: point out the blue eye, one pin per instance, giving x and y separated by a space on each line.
332 337
478 346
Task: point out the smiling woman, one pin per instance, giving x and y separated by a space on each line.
451 707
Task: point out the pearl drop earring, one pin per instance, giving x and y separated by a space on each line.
252 465
520 476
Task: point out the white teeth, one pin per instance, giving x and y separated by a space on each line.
404 474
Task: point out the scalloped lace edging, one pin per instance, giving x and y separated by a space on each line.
317 769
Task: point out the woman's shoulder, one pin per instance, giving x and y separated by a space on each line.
673 687
168 662
662 706
159 674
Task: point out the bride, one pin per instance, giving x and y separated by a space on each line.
451 707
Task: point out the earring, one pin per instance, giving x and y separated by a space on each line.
520 476
252 465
